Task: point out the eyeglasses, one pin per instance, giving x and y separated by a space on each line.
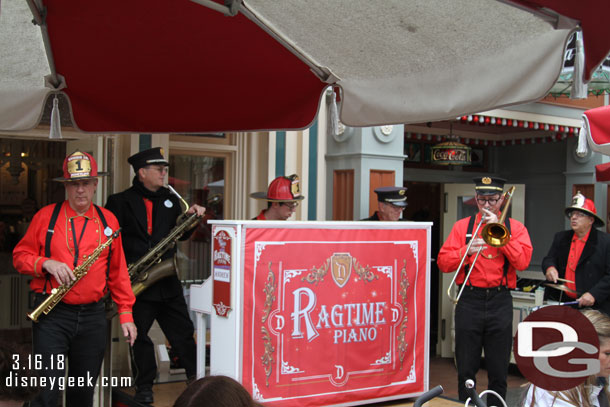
491 201
392 206
577 214
161 168
291 205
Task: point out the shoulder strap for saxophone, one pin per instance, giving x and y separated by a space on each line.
47 242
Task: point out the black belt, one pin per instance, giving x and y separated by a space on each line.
92 306
486 289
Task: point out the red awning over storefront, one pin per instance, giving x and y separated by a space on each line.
602 172
596 129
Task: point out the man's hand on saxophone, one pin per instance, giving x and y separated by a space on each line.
196 208
61 271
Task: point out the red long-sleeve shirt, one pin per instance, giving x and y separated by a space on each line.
29 256
261 216
489 268
576 248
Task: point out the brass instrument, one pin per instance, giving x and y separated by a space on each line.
157 272
149 268
57 294
494 234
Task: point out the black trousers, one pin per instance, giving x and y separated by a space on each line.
484 321
78 333
172 316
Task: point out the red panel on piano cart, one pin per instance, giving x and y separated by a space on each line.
335 316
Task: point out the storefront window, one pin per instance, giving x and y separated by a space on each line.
467 206
26 169
199 179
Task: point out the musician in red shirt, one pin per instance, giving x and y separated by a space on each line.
484 312
282 196
580 258
59 239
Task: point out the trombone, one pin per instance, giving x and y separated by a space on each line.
494 234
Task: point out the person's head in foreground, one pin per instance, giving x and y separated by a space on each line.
215 391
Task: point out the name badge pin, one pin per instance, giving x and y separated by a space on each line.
108 231
168 203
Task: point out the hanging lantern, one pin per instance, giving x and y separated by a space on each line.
451 152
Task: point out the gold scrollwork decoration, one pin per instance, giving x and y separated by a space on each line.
317 274
364 273
267 358
402 331
269 291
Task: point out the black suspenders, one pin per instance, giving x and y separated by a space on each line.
469 235
51 231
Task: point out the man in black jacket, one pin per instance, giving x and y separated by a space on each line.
580 258
147 212
391 202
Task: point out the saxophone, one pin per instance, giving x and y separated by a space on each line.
149 268
57 294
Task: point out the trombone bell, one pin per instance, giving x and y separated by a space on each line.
495 234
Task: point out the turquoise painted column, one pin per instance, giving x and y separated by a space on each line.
280 153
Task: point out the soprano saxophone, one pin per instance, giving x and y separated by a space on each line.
57 294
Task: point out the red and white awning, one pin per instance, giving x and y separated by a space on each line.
602 173
484 119
595 130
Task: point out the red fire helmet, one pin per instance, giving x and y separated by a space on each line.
79 166
281 189
586 206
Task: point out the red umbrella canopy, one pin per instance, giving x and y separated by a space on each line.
590 15
130 65
158 66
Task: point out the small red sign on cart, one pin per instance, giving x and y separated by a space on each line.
221 272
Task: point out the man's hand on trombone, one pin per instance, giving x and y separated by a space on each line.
488 216
478 243
196 208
